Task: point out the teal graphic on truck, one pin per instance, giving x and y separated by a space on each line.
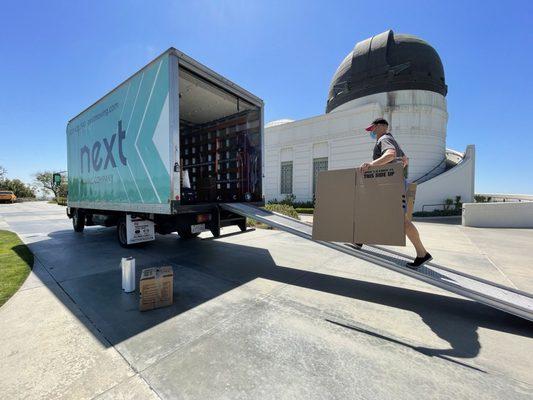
113 153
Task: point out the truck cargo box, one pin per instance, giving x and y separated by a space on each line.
173 136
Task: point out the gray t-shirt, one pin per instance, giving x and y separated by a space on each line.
385 143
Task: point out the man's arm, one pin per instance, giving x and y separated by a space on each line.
387 157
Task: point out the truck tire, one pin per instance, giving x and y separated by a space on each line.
185 233
78 221
242 225
122 234
215 232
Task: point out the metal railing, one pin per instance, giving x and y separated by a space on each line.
504 198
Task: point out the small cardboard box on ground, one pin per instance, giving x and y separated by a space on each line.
156 288
353 207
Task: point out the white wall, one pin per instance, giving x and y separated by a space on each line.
457 181
418 121
498 215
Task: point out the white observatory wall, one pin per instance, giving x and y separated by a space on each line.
457 181
418 120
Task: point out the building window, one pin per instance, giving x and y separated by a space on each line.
286 177
319 164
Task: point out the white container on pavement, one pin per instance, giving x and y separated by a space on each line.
128 274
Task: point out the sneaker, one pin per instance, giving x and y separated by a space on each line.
419 261
356 246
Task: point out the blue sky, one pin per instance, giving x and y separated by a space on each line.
58 57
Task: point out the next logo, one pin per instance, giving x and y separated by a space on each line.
93 154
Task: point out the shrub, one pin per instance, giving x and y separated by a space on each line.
482 199
437 213
288 200
283 209
447 204
303 204
458 203
305 210
62 201
278 208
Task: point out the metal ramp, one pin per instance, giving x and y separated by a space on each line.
504 298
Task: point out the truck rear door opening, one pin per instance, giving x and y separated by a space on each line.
220 143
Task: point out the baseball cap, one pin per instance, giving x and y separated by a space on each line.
377 121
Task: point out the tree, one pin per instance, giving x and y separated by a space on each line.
18 187
45 181
3 174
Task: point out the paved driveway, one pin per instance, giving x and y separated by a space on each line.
256 315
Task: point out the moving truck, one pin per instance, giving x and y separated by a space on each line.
161 152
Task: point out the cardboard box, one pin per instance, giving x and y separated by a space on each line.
156 288
410 198
353 207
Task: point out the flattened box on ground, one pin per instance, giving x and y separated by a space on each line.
156 288
352 207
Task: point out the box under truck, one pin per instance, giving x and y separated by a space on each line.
161 152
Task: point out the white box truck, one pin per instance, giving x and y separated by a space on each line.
161 152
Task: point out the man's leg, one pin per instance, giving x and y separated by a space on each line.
414 237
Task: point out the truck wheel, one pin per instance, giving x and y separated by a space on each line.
78 221
185 233
122 235
242 225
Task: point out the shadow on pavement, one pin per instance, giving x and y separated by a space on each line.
86 268
422 350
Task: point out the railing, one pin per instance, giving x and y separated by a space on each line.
432 205
504 198
430 171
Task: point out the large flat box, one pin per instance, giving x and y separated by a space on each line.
156 288
353 207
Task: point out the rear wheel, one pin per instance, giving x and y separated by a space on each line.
215 232
242 225
122 235
78 221
185 233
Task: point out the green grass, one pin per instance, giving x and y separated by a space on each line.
16 261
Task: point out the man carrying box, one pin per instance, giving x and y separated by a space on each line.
387 150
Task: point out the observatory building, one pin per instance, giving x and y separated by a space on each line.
395 76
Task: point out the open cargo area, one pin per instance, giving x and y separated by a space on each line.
220 143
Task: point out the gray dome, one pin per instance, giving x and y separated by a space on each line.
384 63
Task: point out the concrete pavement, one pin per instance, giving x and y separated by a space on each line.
258 315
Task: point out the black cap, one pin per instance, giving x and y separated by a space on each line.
375 122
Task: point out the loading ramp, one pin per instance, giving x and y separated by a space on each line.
503 298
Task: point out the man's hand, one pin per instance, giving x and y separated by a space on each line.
364 167
405 161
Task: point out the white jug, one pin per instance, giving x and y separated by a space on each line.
128 274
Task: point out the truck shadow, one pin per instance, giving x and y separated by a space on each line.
87 278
